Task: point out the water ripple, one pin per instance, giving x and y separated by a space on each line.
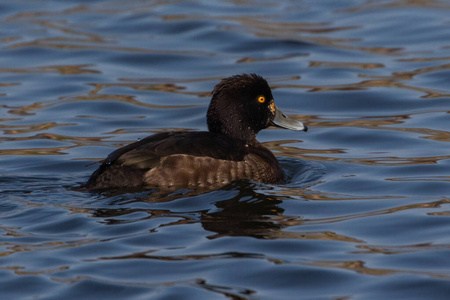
366 196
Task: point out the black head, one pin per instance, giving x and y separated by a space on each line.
242 105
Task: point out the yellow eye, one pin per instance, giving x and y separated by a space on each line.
262 99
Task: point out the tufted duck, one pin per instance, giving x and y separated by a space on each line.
240 107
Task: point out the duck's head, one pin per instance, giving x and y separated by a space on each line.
242 105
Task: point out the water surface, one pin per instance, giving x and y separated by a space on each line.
366 211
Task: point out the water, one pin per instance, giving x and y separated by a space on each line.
365 214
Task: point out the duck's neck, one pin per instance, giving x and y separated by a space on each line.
245 137
234 129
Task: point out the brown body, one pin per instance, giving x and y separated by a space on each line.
186 160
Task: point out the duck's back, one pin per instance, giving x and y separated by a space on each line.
185 160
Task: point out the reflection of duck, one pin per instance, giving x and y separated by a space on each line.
241 211
240 107
258 215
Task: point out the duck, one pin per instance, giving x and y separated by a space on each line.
240 107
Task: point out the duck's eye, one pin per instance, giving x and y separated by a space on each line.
262 99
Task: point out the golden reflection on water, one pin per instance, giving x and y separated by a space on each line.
19 129
62 69
313 235
360 267
73 140
399 161
372 5
162 87
19 270
253 59
423 59
26 110
384 81
421 179
280 148
38 151
330 64
400 249
408 75
3 84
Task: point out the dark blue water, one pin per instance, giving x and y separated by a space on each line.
366 211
